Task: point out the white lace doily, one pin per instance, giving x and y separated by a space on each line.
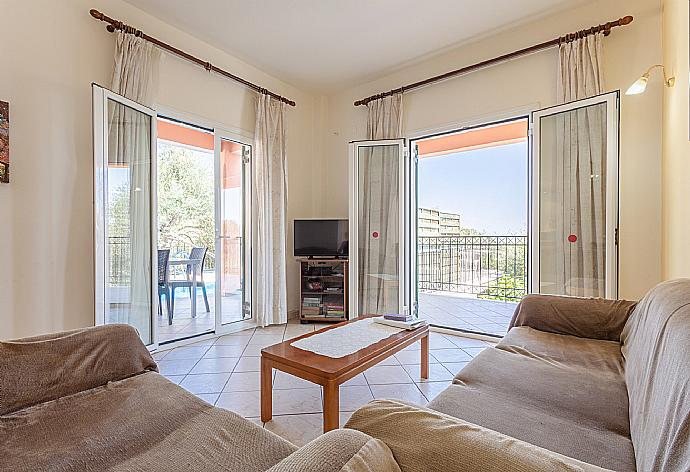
347 339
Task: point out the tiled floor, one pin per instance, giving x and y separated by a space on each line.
184 325
225 372
462 311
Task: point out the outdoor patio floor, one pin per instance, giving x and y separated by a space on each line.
464 311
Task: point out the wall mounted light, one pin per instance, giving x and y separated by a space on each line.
640 84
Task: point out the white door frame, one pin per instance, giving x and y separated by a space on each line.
247 222
404 230
100 151
611 100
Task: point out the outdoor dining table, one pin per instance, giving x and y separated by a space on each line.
194 263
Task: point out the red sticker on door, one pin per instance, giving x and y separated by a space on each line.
375 234
572 238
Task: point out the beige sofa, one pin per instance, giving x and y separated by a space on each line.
92 400
576 385
604 382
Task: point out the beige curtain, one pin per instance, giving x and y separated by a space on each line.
580 172
384 118
129 146
270 160
379 221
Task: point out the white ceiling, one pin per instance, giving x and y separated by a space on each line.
327 44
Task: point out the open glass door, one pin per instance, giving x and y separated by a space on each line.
124 217
574 189
233 232
379 244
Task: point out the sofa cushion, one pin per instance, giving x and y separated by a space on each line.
557 405
341 450
44 368
601 357
656 347
594 318
423 440
143 423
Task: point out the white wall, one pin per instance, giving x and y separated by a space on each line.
676 143
527 83
50 53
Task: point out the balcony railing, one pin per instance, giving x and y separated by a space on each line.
119 254
493 267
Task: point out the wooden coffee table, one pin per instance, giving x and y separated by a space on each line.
331 372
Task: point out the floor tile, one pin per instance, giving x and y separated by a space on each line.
413 357
437 373
273 329
159 355
187 352
297 400
208 397
298 429
243 382
440 342
205 383
354 396
404 392
387 374
454 367
176 379
253 350
215 365
248 364
224 351
265 339
176 367
450 355
463 342
285 381
247 404
358 379
233 340
473 351
432 389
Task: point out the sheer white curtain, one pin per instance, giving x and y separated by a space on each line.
129 146
581 171
379 219
270 171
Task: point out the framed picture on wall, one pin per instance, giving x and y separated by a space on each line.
4 142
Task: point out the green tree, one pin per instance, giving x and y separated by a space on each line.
185 203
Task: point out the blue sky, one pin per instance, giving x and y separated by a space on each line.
487 187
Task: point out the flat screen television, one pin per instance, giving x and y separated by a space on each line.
321 238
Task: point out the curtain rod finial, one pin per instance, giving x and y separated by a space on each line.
626 20
96 14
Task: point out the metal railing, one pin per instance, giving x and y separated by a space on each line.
119 258
493 267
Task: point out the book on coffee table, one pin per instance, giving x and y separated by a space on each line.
414 324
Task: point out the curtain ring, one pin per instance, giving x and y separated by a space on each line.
208 66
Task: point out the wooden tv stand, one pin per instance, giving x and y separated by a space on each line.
323 290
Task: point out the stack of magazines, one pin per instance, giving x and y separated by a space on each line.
311 306
401 321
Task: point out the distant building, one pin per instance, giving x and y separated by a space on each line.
438 223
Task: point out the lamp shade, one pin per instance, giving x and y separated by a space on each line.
639 86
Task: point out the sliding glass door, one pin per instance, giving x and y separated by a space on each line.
124 217
233 231
379 228
575 198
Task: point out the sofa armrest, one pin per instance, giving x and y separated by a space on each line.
44 368
595 318
424 440
340 450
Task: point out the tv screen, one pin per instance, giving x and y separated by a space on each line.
321 238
